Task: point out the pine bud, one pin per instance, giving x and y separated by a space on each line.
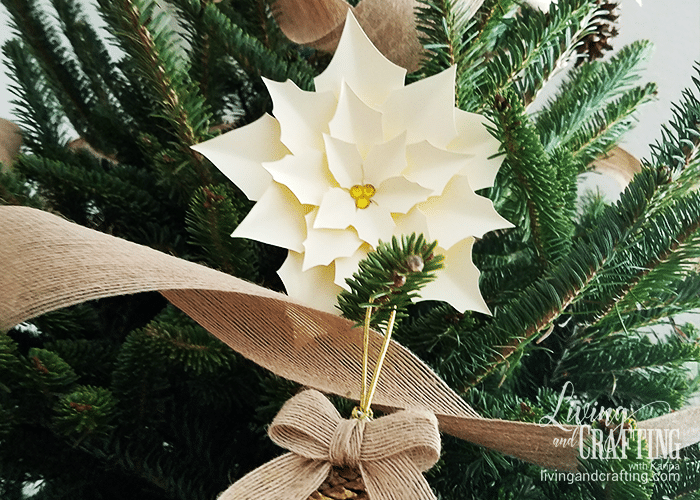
414 263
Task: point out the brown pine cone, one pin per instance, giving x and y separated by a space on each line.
343 483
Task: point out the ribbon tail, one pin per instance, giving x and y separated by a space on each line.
395 478
287 477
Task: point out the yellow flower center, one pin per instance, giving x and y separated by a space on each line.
362 194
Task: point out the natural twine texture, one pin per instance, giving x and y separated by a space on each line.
47 263
390 24
390 452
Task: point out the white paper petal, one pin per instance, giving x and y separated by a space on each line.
356 122
385 160
373 224
474 139
345 267
337 210
344 162
459 213
356 61
322 246
304 173
399 195
277 218
314 287
413 222
425 109
303 116
458 282
432 167
239 154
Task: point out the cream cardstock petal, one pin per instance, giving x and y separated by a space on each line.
314 286
239 154
424 109
356 122
322 246
303 116
345 267
277 218
344 162
304 173
412 222
458 282
337 210
432 167
459 213
385 160
475 140
399 195
374 223
356 61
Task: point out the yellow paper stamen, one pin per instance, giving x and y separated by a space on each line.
362 194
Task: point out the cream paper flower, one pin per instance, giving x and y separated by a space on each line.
363 158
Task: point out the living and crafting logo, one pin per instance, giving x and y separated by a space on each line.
610 433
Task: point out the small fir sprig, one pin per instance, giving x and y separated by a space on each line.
390 278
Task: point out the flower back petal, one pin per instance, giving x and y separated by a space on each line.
240 153
303 116
357 61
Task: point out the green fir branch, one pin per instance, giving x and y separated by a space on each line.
603 130
39 114
545 189
146 35
588 89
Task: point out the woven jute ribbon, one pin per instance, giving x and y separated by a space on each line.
47 263
390 24
390 452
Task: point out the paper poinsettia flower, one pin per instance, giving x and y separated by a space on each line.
359 160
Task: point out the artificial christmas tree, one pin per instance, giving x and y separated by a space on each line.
128 391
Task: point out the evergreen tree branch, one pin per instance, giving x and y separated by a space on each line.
39 112
547 192
588 89
152 43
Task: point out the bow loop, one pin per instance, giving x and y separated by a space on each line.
305 425
413 434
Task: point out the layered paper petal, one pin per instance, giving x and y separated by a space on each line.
277 218
240 155
356 122
399 195
344 161
457 279
459 213
323 246
424 110
385 161
305 174
482 160
337 210
303 116
433 167
358 63
314 286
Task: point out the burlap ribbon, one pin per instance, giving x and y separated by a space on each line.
47 263
390 453
390 24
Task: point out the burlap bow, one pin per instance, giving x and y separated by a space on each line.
390 452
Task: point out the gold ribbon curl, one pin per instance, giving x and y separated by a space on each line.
390 452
